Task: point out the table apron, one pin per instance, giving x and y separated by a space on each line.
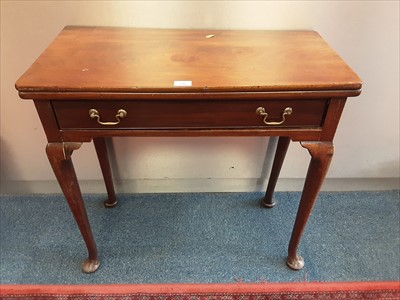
312 134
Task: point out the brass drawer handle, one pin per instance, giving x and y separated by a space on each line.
121 113
261 111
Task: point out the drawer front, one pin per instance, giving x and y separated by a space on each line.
157 114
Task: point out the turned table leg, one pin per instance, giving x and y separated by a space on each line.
59 155
101 150
321 155
281 149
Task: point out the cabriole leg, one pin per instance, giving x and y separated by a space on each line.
281 149
59 155
101 150
321 156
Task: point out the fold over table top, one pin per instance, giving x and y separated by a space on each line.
130 60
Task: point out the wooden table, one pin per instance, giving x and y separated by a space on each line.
97 82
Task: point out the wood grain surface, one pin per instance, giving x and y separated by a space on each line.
109 59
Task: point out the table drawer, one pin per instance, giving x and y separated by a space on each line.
154 114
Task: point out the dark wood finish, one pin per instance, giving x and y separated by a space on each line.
150 60
188 114
333 114
102 154
59 155
295 134
48 120
281 149
231 74
321 156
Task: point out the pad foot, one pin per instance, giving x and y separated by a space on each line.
296 263
90 265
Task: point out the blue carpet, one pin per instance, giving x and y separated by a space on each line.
201 238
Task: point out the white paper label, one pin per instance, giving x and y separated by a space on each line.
182 83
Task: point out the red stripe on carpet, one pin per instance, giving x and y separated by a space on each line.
231 288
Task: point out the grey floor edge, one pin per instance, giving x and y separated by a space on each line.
200 185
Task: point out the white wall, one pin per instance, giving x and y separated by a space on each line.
364 33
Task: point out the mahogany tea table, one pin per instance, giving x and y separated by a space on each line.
93 83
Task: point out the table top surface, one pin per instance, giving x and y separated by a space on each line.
131 60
